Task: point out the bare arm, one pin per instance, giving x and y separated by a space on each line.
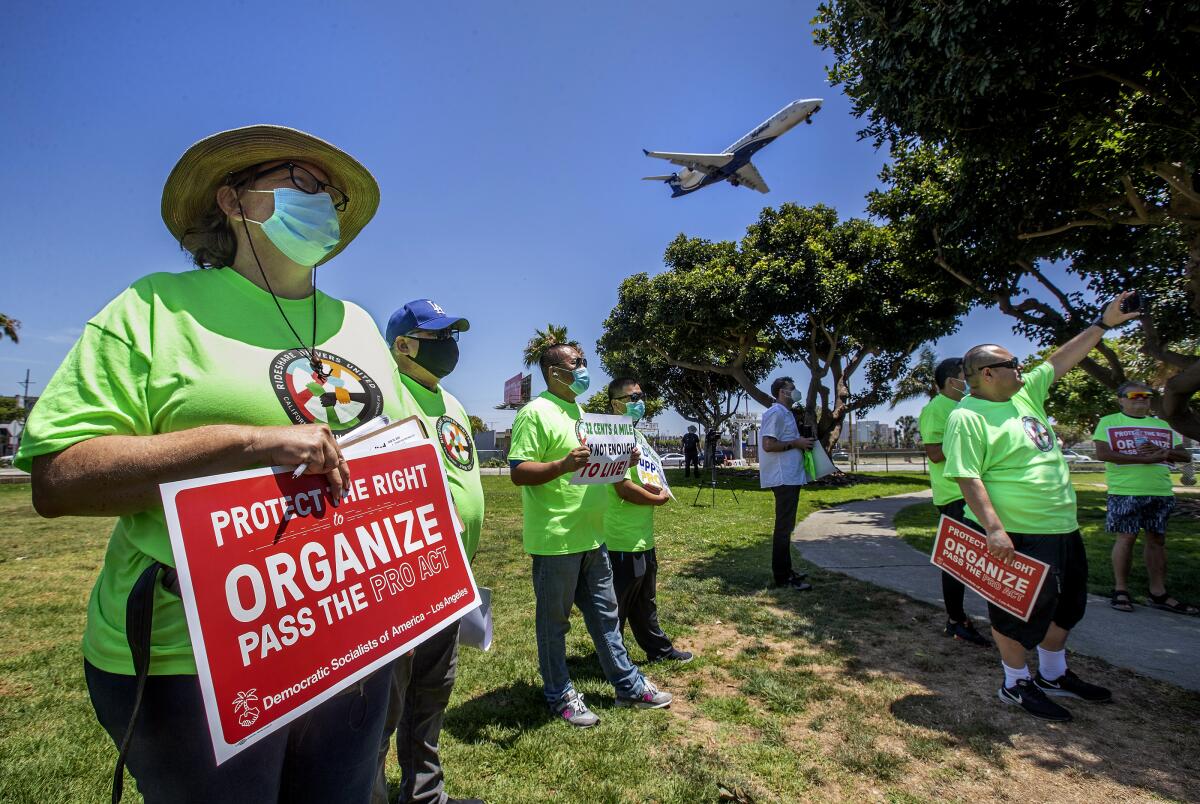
116 475
539 473
974 492
1067 356
934 453
772 444
1106 453
631 492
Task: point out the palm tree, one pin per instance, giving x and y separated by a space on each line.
8 328
918 381
552 335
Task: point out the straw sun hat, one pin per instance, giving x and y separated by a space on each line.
191 188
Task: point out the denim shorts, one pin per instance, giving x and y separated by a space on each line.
1130 514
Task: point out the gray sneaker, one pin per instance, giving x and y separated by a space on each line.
651 698
572 709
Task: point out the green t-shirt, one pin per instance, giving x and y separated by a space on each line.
1012 448
449 425
932 424
1122 433
177 351
629 527
560 518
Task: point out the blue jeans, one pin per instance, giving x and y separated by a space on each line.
584 579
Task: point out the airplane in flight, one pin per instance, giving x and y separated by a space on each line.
733 164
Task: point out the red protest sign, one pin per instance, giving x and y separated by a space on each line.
962 551
289 600
1126 440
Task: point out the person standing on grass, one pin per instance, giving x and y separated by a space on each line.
1135 447
564 533
781 469
1001 450
424 344
691 452
629 536
173 380
948 377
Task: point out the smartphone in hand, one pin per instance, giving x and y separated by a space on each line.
1131 303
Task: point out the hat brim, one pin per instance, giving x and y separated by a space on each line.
446 322
191 188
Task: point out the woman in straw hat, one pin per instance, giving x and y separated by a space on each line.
189 374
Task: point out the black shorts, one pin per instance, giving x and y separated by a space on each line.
956 510
1063 598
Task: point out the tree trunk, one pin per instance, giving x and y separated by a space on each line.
1178 391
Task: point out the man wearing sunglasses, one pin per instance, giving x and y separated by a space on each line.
629 535
1135 447
424 344
563 531
781 469
1004 455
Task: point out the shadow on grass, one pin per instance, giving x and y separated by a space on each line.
499 716
882 637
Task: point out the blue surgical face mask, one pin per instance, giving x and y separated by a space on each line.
582 380
304 226
635 409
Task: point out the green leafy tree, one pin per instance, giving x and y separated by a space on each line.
542 340
907 427
1064 130
801 285
599 403
8 328
9 410
917 382
477 425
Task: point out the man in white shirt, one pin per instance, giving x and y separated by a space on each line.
781 469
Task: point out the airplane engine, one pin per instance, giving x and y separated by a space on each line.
689 178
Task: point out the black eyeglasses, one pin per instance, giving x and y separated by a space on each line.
435 335
306 182
1013 364
576 363
637 397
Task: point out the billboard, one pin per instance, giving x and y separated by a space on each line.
517 389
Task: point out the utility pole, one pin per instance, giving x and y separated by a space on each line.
25 385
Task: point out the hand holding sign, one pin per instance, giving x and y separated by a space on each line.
967 554
576 459
608 446
1000 546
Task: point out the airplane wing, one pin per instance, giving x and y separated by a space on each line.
748 176
702 162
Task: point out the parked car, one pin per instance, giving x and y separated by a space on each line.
1071 456
672 460
840 455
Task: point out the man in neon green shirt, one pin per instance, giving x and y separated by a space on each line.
564 532
629 535
1001 450
424 344
1135 447
948 379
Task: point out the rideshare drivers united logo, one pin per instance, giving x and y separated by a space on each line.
1038 433
343 398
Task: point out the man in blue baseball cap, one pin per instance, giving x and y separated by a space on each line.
424 344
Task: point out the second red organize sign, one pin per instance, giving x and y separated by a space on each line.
290 599
962 551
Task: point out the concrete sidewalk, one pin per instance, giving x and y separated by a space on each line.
858 540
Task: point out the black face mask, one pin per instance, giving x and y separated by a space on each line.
437 357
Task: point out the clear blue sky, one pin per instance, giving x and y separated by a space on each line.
506 139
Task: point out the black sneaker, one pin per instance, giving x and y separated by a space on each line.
676 655
795 581
1029 697
1072 686
965 631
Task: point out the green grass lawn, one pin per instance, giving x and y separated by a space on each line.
915 525
846 693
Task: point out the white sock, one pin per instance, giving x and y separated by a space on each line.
1052 663
1013 675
